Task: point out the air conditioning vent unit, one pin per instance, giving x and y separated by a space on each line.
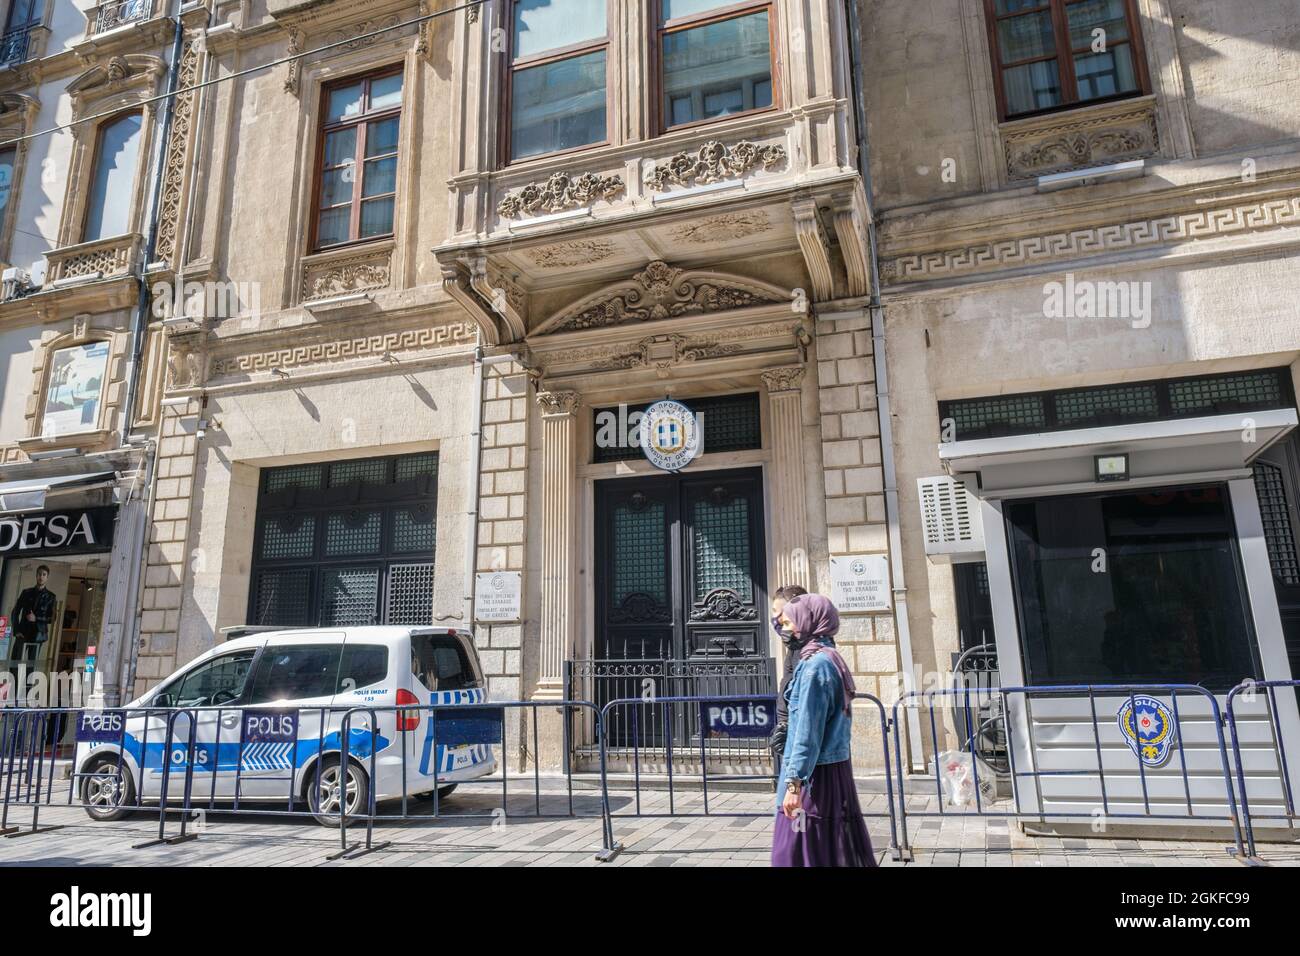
14 284
950 517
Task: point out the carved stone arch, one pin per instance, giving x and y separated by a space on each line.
119 83
116 74
661 291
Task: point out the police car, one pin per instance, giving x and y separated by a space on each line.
268 709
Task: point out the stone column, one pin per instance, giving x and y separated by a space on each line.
559 434
789 495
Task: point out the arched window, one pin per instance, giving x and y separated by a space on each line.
112 184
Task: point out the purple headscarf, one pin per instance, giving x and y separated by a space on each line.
816 621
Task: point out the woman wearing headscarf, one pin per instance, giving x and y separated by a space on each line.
819 822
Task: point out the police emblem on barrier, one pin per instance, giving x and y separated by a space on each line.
670 435
1150 732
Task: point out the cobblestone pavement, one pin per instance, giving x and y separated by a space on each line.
474 833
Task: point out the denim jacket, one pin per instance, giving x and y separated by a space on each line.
819 728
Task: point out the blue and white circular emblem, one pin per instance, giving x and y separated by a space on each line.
1148 728
670 435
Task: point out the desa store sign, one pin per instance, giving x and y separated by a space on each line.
41 533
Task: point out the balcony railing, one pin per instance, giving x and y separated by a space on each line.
116 13
102 258
14 46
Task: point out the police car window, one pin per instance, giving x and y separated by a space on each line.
296 672
219 681
363 665
441 662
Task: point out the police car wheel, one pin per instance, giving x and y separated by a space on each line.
325 795
105 795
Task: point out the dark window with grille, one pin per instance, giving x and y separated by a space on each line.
1107 405
729 423
346 543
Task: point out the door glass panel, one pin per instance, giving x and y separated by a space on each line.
558 105
284 597
1271 490
718 69
640 543
349 596
721 543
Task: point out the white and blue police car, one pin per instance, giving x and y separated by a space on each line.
268 711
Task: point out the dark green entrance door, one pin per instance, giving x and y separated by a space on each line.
680 568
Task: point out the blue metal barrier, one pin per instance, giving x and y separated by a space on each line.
700 745
1279 739
1018 776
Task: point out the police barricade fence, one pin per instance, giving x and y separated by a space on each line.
1257 714
1074 756
328 763
687 742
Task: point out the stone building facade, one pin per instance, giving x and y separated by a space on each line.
1088 261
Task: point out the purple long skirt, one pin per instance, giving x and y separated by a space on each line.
831 831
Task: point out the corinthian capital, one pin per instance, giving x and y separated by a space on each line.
558 402
788 378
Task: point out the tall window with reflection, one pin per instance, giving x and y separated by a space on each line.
112 182
715 60
559 58
357 185
1049 54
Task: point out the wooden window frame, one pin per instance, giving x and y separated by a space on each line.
1065 69
732 11
95 157
362 121
510 66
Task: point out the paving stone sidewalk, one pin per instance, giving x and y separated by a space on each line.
473 832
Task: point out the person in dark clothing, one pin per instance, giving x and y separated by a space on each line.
32 616
791 657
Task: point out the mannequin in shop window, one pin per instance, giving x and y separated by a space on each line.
32 616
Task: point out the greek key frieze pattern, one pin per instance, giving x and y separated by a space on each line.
1031 250
408 340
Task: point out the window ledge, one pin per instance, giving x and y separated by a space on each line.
1101 134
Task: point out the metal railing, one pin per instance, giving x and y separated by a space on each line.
1170 754
1129 780
14 45
116 13
662 720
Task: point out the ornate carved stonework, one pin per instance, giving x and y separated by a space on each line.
664 352
577 252
1059 247
561 191
1040 148
788 378
713 162
354 37
177 144
726 341
661 291
295 66
334 277
340 350
184 369
724 605
729 226
559 402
